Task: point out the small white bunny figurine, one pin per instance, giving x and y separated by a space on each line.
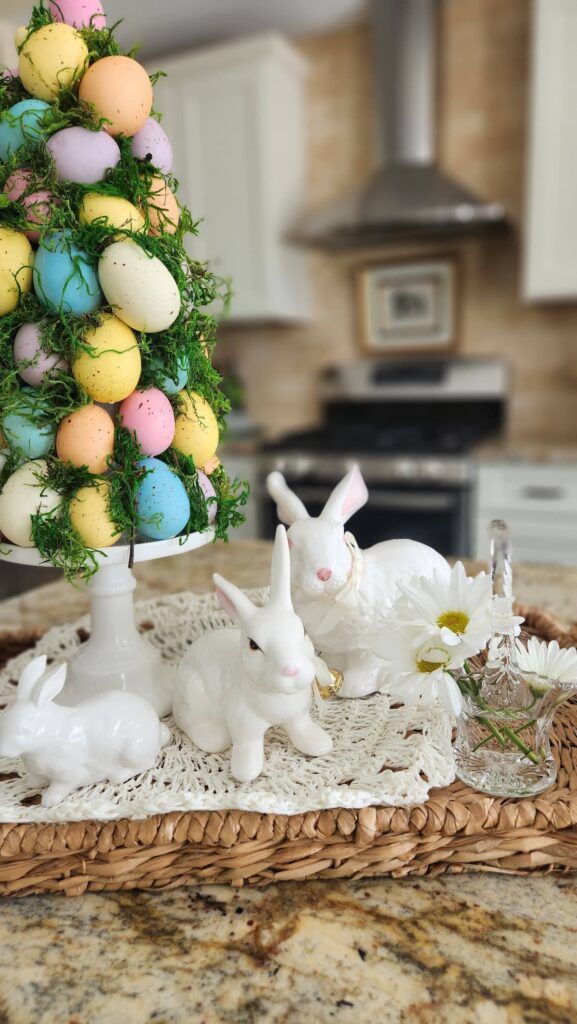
339 591
114 735
234 684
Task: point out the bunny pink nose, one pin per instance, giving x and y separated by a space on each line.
290 671
324 574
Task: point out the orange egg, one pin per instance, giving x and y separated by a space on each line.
86 438
163 211
120 90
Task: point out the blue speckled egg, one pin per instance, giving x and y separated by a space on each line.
64 278
23 427
166 383
20 124
162 502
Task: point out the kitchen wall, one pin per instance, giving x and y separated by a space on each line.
483 97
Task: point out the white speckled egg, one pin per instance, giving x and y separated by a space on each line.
23 496
140 289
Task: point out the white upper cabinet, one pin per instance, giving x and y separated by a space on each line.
235 117
550 264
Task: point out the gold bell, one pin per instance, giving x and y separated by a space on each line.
328 690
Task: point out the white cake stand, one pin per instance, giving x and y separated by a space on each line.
116 656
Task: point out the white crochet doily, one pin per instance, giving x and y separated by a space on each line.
381 755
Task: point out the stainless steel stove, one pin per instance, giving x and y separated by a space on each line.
411 426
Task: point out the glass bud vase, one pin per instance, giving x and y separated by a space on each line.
502 745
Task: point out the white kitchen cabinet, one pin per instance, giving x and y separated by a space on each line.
550 257
235 116
538 501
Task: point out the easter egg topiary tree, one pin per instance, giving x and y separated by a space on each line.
110 408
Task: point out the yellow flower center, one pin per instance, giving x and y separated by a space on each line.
457 622
429 666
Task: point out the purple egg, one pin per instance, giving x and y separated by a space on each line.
209 492
83 156
32 362
152 143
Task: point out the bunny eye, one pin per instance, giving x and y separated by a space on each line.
253 645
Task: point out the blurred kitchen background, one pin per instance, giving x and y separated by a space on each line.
391 187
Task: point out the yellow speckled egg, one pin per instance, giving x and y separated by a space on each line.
15 268
86 438
90 515
112 370
163 211
50 59
115 211
196 432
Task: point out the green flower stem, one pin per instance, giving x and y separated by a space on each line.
494 733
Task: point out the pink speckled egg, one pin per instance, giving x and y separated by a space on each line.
151 143
18 183
83 156
32 362
209 492
148 415
38 204
78 13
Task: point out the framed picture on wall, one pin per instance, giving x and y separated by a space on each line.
407 306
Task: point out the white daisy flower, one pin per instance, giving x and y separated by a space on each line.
418 671
456 611
547 660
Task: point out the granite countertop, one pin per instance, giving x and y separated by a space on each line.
459 949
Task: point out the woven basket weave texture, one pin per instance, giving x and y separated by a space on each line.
455 830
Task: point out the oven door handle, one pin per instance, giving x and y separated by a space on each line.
410 501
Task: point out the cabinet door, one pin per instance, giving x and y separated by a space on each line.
550 259
235 117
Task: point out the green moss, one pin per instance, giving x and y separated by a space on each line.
191 338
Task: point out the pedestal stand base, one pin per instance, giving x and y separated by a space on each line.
116 657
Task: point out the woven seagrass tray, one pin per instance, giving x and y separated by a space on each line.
455 830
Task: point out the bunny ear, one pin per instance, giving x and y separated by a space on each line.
280 573
289 508
30 676
347 498
233 600
49 685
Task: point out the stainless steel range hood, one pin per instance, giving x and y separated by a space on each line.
409 197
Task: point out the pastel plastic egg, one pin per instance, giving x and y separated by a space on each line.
78 13
32 362
163 211
15 268
50 59
196 429
18 183
25 494
37 204
148 415
112 370
113 211
138 287
25 427
209 494
168 384
64 278
21 123
83 156
151 143
86 438
163 506
90 515
120 90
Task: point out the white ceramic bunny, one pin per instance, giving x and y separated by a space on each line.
234 684
339 591
114 735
